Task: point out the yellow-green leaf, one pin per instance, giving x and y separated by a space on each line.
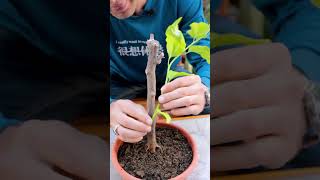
316 3
174 74
199 30
203 51
166 116
157 112
218 40
176 44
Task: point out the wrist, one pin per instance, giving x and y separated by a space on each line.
207 97
312 112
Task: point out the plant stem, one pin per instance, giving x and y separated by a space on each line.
153 59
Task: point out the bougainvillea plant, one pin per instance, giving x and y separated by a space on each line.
176 47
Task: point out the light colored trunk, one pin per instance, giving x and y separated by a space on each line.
154 58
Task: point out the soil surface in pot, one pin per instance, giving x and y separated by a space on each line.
174 158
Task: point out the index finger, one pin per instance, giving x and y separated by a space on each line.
180 82
246 62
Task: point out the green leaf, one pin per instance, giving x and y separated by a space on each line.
176 44
166 116
174 74
218 40
203 51
157 112
199 30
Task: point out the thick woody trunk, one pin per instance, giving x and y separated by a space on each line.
154 58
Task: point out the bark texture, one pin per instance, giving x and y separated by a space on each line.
154 58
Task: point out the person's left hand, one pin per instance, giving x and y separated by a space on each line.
258 116
183 96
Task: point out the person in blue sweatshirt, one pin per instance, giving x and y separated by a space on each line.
132 22
261 112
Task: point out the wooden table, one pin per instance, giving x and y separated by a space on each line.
303 173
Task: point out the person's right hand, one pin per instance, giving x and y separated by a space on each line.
133 119
36 148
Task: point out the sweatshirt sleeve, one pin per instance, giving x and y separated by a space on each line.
111 100
5 122
297 25
192 11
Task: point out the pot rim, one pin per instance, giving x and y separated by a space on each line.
183 175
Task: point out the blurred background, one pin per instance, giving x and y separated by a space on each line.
243 12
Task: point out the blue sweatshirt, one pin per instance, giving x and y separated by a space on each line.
128 56
296 23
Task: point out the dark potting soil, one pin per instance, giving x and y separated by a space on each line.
174 158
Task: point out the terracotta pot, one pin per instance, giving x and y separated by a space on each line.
184 175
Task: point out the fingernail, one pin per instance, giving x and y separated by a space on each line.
149 121
160 99
149 129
